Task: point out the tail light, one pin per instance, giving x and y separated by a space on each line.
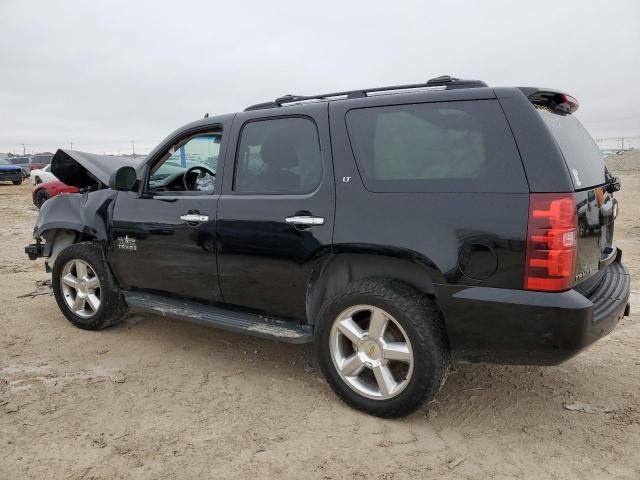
551 241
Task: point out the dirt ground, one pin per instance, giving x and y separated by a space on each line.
154 398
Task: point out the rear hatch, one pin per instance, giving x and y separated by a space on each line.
593 192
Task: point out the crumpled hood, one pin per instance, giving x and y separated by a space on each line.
81 169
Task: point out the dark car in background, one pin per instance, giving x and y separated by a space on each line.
40 161
10 173
398 228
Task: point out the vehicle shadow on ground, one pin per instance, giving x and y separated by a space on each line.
473 393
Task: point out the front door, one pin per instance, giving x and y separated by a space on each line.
164 239
275 218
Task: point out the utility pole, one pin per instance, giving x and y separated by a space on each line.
23 150
133 148
70 145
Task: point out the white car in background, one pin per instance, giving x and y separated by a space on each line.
42 175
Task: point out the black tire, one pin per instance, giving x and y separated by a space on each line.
17 182
42 196
423 324
38 181
112 308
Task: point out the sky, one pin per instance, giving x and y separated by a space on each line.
102 74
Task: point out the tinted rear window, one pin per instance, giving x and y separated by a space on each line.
584 158
443 147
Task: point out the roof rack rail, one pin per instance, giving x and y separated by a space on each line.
443 82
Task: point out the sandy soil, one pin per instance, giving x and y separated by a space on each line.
155 398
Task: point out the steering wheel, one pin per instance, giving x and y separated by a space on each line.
187 174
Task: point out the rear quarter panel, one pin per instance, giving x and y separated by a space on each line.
437 229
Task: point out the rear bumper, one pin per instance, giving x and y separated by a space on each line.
533 328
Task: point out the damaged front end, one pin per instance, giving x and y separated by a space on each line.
67 219
74 217
35 250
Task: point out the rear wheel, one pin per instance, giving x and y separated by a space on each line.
17 182
381 345
84 288
38 181
42 196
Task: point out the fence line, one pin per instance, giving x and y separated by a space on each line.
619 143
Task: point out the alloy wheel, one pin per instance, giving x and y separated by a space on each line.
371 352
81 288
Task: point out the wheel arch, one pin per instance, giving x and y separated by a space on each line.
60 236
72 218
346 267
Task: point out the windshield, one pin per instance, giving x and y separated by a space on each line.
584 158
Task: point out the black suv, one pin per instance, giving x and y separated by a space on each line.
398 228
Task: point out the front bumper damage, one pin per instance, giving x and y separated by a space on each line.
50 245
35 250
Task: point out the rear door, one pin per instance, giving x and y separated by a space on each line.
597 208
275 216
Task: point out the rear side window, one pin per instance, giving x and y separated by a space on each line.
584 158
279 155
442 147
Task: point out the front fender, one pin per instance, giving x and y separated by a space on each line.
86 213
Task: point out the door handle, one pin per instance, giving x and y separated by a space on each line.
194 218
306 220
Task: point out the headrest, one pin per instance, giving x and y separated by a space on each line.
277 151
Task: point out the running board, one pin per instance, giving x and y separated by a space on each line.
247 323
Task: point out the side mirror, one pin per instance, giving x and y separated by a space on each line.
123 179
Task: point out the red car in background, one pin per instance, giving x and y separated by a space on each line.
44 191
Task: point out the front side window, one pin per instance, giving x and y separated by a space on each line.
190 166
278 156
445 146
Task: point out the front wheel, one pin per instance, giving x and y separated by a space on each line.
42 196
381 346
17 182
84 288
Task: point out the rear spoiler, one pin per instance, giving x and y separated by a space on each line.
558 102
